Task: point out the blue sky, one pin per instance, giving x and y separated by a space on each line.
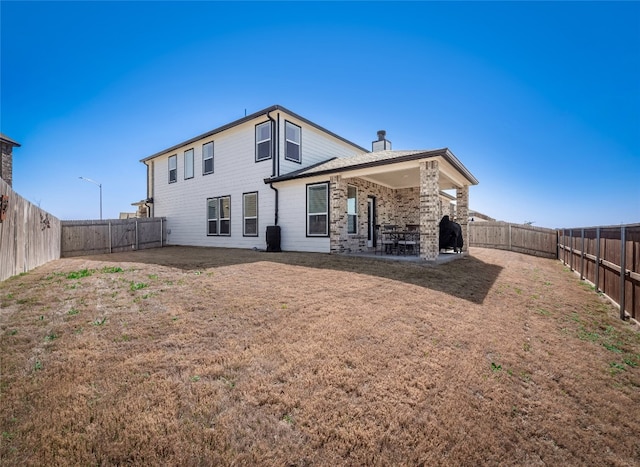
540 101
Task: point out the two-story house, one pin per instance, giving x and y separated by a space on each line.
275 173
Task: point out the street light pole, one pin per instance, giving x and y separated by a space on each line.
99 186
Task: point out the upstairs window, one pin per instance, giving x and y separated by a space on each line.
173 169
263 141
318 210
352 209
219 215
207 158
188 164
293 138
250 214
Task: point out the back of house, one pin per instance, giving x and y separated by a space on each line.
212 189
275 180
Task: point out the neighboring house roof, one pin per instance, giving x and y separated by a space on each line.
6 139
242 120
374 159
479 215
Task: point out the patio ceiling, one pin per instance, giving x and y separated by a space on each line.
407 175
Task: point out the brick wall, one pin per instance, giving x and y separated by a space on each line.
417 205
341 241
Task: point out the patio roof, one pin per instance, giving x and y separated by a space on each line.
395 169
8 140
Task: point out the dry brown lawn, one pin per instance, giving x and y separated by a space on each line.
192 356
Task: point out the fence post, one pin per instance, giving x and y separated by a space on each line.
571 249
510 248
582 255
597 275
623 270
137 246
161 232
110 239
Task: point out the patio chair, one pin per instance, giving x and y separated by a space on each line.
387 240
409 241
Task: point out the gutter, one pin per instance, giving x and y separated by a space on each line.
248 118
444 153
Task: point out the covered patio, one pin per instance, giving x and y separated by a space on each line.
405 189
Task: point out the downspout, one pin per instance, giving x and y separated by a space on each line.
149 189
274 146
276 210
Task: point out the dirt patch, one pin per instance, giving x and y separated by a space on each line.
196 356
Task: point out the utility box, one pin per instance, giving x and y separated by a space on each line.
273 238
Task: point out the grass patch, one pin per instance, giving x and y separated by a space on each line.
611 347
79 274
590 336
111 269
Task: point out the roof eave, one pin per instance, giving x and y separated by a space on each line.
6 139
248 118
459 166
444 153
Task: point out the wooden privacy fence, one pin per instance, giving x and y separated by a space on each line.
609 258
29 236
527 239
92 237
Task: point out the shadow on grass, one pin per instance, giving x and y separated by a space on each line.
467 278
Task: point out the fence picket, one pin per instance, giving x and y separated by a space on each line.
29 236
620 263
92 237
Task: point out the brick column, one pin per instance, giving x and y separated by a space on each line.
462 214
338 214
429 210
6 162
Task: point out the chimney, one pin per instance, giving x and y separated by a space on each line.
381 144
